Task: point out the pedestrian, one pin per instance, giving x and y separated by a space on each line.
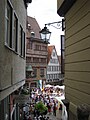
49 108
54 109
35 112
60 110
29 118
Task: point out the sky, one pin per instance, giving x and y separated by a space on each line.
45 11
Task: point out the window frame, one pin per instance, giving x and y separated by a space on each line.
21 42
15 33
42 72
8 29
34 72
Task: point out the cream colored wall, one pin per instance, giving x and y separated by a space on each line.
12 66
77 54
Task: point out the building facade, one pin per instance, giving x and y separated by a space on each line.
12 56
54 76
36 55
77 49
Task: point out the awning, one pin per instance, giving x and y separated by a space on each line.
21 99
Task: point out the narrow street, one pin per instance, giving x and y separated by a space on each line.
44 105
52 117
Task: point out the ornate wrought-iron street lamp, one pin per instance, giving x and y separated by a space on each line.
45 33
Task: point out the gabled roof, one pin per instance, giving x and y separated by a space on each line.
50 49
34 26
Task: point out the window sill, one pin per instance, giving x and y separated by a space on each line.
13 51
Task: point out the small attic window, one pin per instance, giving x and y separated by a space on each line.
29 26
32 34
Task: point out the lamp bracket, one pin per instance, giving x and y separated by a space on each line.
56 25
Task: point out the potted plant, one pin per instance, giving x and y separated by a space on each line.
42 109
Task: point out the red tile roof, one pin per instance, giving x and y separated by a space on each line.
50 49
34 26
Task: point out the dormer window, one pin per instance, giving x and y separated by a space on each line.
32 34
29 26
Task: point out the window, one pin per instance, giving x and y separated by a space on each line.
37 47
9 25
28 75
49 76
36 60
28 59
34 72
54 61
50 68
29 44
43 60
15 33
44 48
22 42
42 72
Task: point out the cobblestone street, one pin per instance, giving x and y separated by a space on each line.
52 117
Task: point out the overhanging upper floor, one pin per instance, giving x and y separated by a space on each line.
63 6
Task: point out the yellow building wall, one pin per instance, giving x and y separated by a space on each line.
77 54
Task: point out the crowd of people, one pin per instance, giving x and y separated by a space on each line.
50 103
54 107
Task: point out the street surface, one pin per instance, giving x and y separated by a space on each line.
52 117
